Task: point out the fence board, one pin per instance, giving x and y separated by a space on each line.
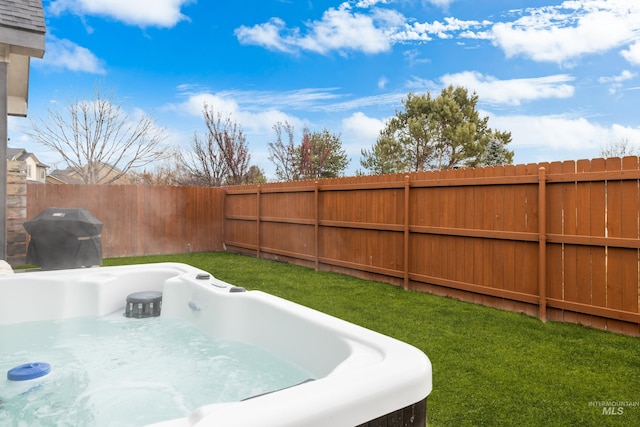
614 227
555 225
629 229
569 276
469 218
509 213
584 273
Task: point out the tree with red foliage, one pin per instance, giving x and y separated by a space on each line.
319 155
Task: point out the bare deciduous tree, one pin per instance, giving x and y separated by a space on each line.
98 140
169 172
619 149
222 157
232 144
284 155
204 163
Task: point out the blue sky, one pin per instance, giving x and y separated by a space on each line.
562 76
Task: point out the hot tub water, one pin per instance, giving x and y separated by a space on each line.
117 371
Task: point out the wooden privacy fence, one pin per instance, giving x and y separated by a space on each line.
557 240
141 220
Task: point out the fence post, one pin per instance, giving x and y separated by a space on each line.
542 245
258 222
315 223
405 256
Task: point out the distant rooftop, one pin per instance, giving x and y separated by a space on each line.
21 154
25 15
22 26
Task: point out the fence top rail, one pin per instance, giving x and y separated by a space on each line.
267 189
611 175
611 169
454 182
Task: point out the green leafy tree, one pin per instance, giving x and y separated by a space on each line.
435 133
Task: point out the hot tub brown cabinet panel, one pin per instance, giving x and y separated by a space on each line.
410 416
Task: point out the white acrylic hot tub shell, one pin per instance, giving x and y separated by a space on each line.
359 374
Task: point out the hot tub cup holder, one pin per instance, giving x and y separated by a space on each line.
143 304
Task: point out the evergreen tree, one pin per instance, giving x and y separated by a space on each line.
385 157
494 154
435 133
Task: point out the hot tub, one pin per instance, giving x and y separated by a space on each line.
356 375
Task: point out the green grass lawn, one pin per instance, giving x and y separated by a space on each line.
490 367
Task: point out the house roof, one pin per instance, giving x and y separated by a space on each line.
66 176
54 180
22 26
71 176
15 153
23 14
22 35
21 154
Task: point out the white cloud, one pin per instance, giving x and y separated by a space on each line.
563 33
252 120
340 29
387 99
476 35
361 127
441 3
307 99
615 82
632 54
368 3
425 31
552 138
512 91
142 13
359 131
65 54
414 57
624 76
266 35
558 34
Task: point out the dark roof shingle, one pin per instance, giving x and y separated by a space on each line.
26 15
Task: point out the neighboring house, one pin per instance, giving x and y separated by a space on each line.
70 176
51 179
36 171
